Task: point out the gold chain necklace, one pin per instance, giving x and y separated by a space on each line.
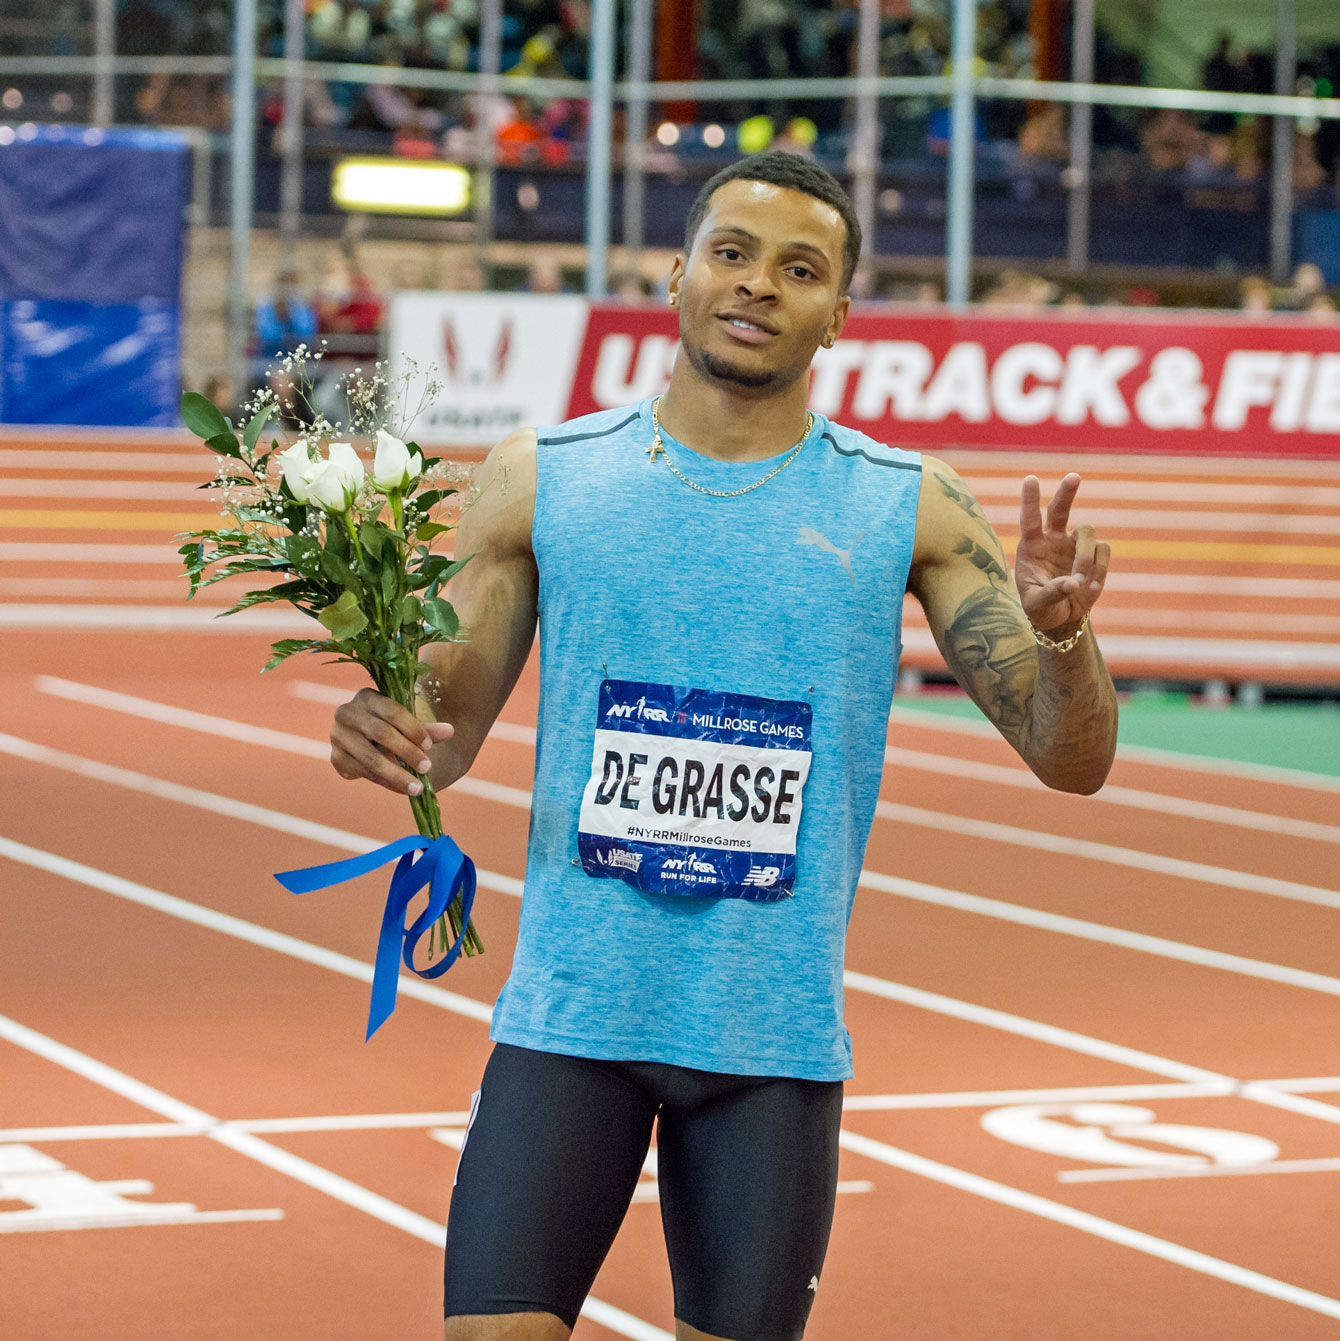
658 448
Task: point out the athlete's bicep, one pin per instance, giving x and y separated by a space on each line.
494 596
961 576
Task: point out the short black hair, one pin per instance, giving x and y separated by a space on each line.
778 168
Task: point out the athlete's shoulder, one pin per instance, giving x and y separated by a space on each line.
856 446
589 427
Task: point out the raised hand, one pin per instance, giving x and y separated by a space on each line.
1059 573
373 736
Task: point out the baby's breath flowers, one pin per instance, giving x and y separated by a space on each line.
347 546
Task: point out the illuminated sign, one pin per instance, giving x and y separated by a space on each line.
400 186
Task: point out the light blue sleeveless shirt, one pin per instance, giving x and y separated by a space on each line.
715 680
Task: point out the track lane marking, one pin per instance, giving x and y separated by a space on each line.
888 1103
1088 850
245 732
521 799
473 1009
237 927
1094 931
887 1154
1100 932
1112 794
1140 754
281 1161
1162 803
1088 1223
1331 1165
17 551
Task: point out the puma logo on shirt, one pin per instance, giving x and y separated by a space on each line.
807 535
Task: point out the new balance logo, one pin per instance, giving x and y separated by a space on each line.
762 877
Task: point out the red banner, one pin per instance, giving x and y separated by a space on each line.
1153 383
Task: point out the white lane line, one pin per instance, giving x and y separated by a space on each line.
353 1122
135 1131
281 1161
1072 1041
467 1006
521 799
24 551
1212 1171
1241 656
976 904
1112 794
168 463
107 1131
608 1316
152 619
236 927
113 588
1100 932
1178 491
885 1103
1179 520
1036 1030
1306 1084
1143 754
1088 850
47 1223
1226 584
139 489
325 693
926 893
857 981
244 732
1095 1225
221 805
1205 621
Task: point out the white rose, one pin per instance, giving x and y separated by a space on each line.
393 468
337 480
298 468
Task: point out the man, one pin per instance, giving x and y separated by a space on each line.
718 578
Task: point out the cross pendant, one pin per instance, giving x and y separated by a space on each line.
653 450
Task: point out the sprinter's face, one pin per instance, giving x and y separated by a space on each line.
761 289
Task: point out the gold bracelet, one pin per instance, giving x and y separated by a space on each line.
1066 644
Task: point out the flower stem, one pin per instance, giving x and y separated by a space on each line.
428 819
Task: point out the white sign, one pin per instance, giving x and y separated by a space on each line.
505 361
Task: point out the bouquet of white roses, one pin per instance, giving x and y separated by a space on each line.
349 546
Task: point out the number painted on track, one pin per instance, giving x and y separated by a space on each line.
1103 1133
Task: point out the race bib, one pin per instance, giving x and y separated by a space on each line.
695 792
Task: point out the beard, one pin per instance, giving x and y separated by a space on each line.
712 367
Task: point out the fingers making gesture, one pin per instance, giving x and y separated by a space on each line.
1059 572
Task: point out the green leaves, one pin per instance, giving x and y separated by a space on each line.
427 530
224 443
285 591
344 618
286 647
439 615
202 417
255 426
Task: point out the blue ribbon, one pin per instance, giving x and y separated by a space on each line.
444 868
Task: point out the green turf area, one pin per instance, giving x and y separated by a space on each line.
1285 735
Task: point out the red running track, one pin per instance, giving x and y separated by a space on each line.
1102 980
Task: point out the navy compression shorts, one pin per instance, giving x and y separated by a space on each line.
747 1168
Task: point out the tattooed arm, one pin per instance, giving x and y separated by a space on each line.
1057 709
